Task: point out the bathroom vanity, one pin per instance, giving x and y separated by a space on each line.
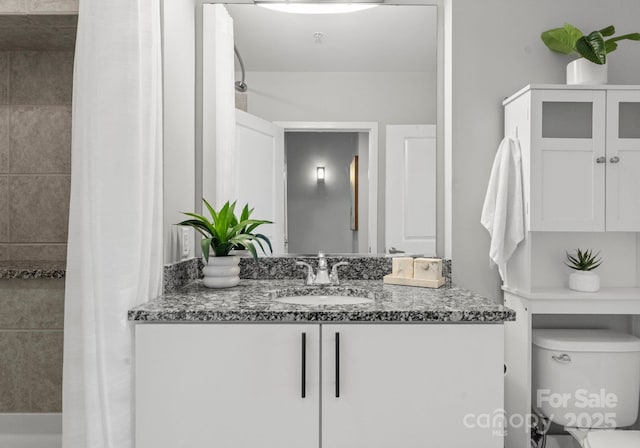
415 367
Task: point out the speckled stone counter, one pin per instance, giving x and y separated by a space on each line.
253 301
32 269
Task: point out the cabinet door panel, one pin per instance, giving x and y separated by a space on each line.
412 386
220 386
623 161
567 183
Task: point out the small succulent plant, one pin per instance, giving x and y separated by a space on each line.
583 260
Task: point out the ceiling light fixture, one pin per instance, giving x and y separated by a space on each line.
316 8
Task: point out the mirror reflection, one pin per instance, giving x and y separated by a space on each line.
338 85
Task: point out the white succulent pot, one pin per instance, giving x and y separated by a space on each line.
584 72
221 272
584 281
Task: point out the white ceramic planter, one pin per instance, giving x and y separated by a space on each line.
221 272
584 281
582 71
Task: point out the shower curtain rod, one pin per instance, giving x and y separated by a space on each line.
240 85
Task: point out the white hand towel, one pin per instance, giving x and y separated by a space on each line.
503 210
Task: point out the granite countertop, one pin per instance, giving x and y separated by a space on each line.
32 269
252 301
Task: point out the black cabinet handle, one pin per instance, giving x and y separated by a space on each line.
337 365
304 365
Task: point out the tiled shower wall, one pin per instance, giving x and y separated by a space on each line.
31 337
35 168
35 153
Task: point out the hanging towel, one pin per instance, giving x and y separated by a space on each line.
503 210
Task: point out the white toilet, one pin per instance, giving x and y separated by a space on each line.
589 382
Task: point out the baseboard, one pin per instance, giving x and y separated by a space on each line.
31 423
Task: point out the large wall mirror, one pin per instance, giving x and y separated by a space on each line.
345 108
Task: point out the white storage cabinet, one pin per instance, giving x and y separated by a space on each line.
381 385
581 156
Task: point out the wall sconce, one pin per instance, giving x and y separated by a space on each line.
320 173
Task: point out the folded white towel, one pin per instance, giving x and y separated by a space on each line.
503 210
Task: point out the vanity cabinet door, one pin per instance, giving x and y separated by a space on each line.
227 385
623 160
568 160
411 385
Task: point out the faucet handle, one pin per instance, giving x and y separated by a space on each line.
334 272
310 277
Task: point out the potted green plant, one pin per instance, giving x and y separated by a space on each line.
221 234
583 263
591 67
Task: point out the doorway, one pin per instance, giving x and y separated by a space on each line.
331 187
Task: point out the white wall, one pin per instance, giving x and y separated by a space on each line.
178 34
496 51
318 213
387 98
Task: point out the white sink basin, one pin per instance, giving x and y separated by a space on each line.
323 300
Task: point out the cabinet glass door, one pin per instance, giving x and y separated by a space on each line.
623 160
567 160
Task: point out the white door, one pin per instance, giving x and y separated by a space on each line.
411 386
623 161
410 204
567 160
259 173
222 386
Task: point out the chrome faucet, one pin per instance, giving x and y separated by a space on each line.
322 277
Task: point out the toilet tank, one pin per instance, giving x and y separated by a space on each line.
586 378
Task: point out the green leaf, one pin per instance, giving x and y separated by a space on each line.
266 240
592 48
610 46
213 213
608 31
562 40
205 245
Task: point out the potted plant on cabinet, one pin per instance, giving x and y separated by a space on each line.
223 233
583 263
591 67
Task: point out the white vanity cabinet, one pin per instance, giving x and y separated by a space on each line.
580 154
365 385
226 386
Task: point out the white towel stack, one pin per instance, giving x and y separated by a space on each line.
503 210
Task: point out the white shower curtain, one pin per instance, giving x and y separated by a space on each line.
114 258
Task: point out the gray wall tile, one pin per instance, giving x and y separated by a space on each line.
14 352
13 6
39 208
4 252
4 139
41 77
36 304
4 209
4 77
44 6
37 252
40 139
45 371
